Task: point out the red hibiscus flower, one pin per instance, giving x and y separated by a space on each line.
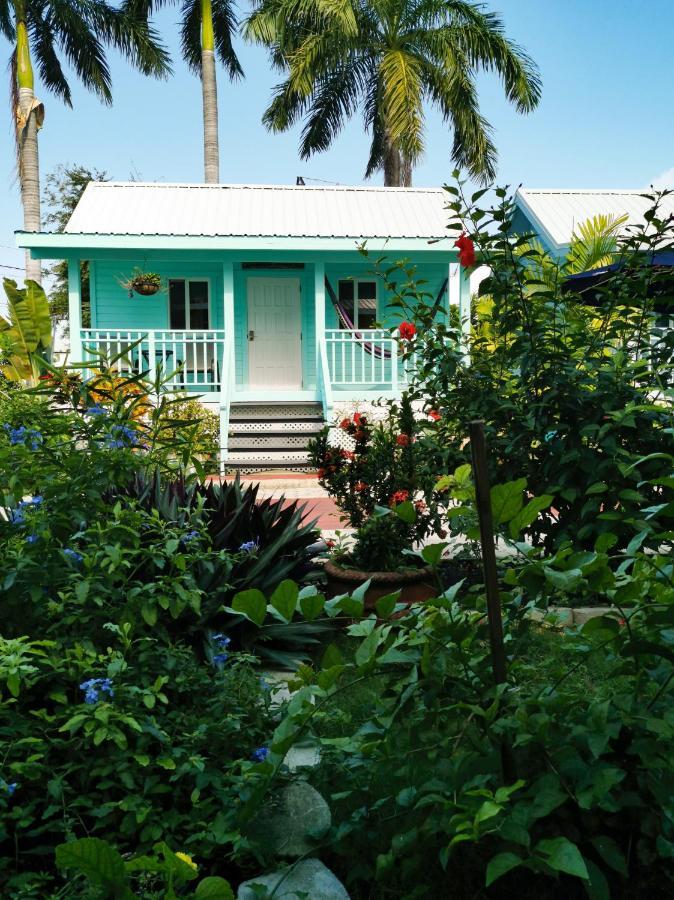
403 440
359 419
347 454
400 497
330 544
466 251
360 435
420 506
435 415
360 486
407 331
345 424
321 473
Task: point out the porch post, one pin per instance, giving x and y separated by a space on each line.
322 371
319 299
453 288
464 309
75 310
228 373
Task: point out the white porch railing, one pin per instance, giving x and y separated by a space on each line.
366 357
190 360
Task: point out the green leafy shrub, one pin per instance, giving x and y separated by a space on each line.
571 394
390 468
422 807
203 427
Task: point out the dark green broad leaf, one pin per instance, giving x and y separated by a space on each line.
98 861
385 605
406 512
611 853
252 604
526 516
432 553
507 500
500 864
312 606
284 599
562 856
213 888
332 657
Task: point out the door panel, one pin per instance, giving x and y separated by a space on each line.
274 331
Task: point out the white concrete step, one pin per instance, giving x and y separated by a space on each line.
245 461
309 427
274 412
278 440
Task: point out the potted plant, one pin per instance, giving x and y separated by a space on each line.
385 487
144 283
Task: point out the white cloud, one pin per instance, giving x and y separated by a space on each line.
664 180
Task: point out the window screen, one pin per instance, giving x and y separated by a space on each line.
198 304
177 304
188 304
358 299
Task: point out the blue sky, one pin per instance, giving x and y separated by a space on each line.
604 119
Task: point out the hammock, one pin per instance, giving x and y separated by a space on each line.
368 346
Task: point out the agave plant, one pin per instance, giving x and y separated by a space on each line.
266 541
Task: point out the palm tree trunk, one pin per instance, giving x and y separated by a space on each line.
397 168
27 126
209 90
392 167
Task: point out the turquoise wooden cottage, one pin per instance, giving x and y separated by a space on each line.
268 310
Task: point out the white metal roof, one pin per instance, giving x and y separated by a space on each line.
556 213
240 210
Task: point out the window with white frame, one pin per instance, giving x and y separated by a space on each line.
358 299
188 304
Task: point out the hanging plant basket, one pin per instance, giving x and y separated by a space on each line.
143 283
145 288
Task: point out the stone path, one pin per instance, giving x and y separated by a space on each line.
303 487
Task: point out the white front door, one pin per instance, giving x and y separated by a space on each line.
274 333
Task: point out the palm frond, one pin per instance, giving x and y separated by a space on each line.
190 34
7 28
402 111
48 64
333 102
594 243
225 26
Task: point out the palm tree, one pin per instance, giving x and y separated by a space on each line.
37 30
389 58
206 31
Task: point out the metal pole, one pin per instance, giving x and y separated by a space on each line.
478 451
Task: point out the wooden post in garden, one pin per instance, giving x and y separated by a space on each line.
478 449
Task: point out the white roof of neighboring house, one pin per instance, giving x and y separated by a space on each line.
555 213
241 210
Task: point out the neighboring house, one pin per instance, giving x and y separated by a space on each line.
269 311
554 214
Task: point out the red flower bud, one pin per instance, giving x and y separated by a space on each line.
435 415
403 440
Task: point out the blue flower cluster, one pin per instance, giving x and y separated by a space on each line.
221 641
75 557
260 754
9 787
249 547
121 436
18 515
32 539
190 536
27 437
94 687
95 410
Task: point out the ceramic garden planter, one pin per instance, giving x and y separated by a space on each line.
415 585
